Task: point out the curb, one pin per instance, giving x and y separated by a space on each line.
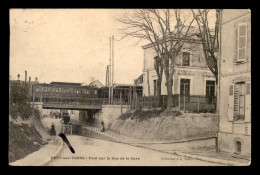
209 159
158 142
55 154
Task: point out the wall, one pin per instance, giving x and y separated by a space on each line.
109 114
227 143
74 114
230 73
197 76
197 72
160 127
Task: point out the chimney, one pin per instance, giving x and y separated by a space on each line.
25 76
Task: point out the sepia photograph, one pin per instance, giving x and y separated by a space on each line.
129 87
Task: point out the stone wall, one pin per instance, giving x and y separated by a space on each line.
109 114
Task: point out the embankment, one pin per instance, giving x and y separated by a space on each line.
23 139
152 125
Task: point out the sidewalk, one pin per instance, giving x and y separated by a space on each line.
177 147
221 157
42 156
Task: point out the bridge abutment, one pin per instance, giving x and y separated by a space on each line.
109 114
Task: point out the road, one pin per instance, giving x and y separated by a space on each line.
96 152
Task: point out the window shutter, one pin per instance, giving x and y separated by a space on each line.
231 103
248 50
236 40
248 103
242 42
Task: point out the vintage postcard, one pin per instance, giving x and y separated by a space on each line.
130 87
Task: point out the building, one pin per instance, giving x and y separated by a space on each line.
235 82
127 92
192 76
96 83
139 80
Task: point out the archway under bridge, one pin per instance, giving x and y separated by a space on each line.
87 116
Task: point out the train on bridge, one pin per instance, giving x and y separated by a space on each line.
76 93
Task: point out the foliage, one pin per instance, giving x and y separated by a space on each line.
23 140
19 104
167 35
209 38
141 114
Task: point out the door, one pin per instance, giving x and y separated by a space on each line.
210 91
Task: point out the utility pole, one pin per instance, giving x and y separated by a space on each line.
112 93
109 85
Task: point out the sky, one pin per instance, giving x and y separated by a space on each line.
70 45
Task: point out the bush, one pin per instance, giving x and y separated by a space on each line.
19 104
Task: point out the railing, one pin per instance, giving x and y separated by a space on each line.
191 103
66 129
108 132
90 101
87 101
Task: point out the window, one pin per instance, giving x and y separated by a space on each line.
185 58
155 87
237 147
87 92
241 44
210 91
239 101
95 91
185 87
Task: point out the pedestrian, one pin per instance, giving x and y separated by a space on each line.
103 126
53 132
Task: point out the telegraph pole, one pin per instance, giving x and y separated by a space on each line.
112 93
109 82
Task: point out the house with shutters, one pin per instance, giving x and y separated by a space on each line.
191 78
234 133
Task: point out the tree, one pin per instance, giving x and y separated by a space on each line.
167 34
19 100
209 39
210 42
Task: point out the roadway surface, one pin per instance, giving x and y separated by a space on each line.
97 152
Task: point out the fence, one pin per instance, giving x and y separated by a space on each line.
87 101
108 132
191 103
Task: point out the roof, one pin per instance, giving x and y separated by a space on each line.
65 83
96 83
124 85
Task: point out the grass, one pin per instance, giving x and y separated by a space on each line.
165 124
146 114
141 114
